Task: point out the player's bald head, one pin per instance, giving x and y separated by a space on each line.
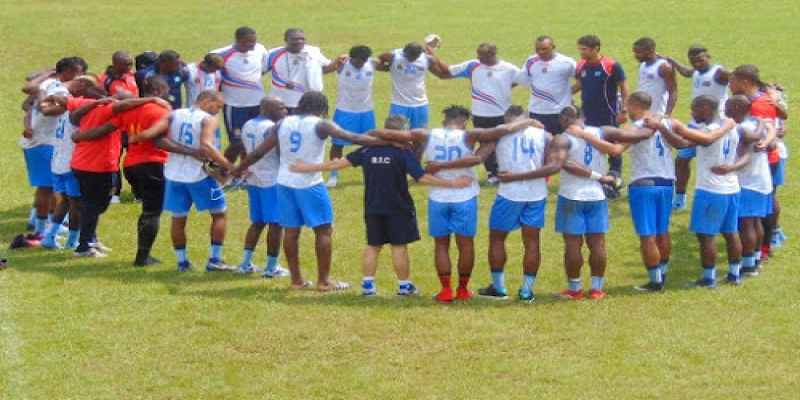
396 122
273 107
705 101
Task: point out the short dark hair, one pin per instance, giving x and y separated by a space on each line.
589 41
706 100
515 111
244 31
748 72
544 38
360 52
396 122
169 56
641 99
646 43
291 31
456 111
209 94
696 50
313 103
413 49
145 59
119 55
67 64
570 112
150 84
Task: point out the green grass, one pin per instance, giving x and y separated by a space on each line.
102 329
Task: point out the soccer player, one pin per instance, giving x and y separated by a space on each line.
245 62
707 79
549 76
604 92
203 75
407 67
297 68
389 213
656 77
172 69
354 108
262 190
187 183
453 211
525 158
582 210
302 197
491 81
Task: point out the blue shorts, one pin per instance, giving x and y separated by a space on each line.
581 217
417 116
263 204
714 213
508 215
310 206
651 208
67 184
236 117
689 152
778 177
205 195
353 122
754 204
446 218
38 160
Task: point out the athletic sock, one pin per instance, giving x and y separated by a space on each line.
654 273
498 278
52 232
663 266
574 285
32 216
597 283
403 283
272 261
710 272
734 267
41 225
445 280
72 238
180 254
463 280
215 251
368 282
749 260
335 174
757 254
528 279
247 257
680 198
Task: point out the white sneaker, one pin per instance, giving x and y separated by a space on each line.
275 273
332 181
247 269
92 253
99 246
115 199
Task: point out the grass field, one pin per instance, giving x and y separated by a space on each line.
103 329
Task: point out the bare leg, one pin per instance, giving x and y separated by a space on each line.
533 256
683 170
466 254
401 263
369 263
597 253
442 255
178 231
252 235
323 242
573 259
291 250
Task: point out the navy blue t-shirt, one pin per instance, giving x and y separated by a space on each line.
175 81
385 182
599 90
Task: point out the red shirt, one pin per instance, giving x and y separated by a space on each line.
134 121
762 107
99 155
112 85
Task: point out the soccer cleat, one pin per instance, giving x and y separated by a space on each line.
704 283
147 262
332 181
247 269
219 265
185 266
526 297
734 280
51 243
408 290
463 293
368 289
749 271
650 287
570 295
445 296
276 272
775 242
595 294
679 204
91 253
781 236
100 247
490 292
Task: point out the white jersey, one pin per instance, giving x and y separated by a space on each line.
490 85
704 83
63 146
198 81
520 152
574 187
296 73
652 83
549 83
43 126
265 170
241 77
755 175
355 87
652 157
185 128
448 145
298 140
721 151
408 80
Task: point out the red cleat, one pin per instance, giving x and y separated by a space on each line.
463 293
596 294
570 295
445 296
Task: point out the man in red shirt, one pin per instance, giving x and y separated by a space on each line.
144 163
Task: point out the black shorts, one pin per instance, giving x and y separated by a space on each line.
148 179
398 228
550 122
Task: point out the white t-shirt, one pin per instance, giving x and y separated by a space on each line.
186 128
449 145
43 126
408 80
721 151
299 141
355 87
652 157
652 83
241 77
199 81
296 73
520 152
265 171
63 146
549 83
490 85
755 175
574 187
704 83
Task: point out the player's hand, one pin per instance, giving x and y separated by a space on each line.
300 166
505 177
622 117
576 131
433 167
535 123
462 181
654 121
162 102
722 169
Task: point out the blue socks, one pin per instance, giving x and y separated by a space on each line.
180 254
247 257
215 252
710 273
272 261
528 279
72 238
574 285
41 225
498 278
654 273
597 283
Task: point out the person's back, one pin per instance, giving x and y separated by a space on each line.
185 128
449 145
298 141
385 183
651 157
721 151
575 187
521 152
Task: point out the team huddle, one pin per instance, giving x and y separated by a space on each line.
78 125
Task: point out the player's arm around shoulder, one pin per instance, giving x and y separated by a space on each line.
259 152
330 129
385 61
332 165
207 146
158 129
